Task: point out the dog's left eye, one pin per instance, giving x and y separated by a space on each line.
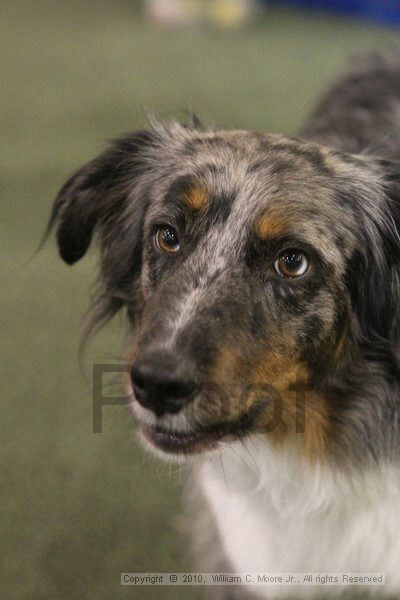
166 239
291 263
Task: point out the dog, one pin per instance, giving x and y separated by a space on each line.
260 278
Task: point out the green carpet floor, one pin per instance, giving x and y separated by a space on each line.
77 508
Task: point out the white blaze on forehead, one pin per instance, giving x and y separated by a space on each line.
211 258
184 311
215 255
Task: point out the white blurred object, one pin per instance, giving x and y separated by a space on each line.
225 13
173 12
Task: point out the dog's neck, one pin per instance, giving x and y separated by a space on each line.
276 513
284 479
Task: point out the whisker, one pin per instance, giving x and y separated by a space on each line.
223 470
245 463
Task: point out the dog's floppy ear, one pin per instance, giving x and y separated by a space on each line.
95 191
373 278
381 300
392 241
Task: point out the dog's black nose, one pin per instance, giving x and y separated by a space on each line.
162 382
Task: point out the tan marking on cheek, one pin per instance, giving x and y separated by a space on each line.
226 374
341 342
271 226
196 198
313 426
227 364
295 411
304 419
273 376
274 369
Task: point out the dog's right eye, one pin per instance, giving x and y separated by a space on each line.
166 239
291 263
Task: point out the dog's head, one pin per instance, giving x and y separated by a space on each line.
251 267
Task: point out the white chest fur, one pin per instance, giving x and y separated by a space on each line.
276 514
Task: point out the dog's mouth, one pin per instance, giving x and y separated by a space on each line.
181 442
205 438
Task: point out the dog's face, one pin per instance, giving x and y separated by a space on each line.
250 266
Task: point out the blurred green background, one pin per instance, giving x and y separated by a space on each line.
77 508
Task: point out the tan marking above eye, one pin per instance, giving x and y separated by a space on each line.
196 198
270 226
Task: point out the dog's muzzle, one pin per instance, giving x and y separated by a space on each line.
163 383
166 384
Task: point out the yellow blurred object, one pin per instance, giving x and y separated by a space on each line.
224 13
231 13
